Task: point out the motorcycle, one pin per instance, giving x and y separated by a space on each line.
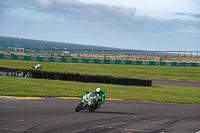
88 102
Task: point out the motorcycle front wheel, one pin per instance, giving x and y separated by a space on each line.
79 107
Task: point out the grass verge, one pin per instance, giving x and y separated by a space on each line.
15 86
161 72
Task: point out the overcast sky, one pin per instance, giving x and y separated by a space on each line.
134 24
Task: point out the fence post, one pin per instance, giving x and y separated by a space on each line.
94 52
135 52
123 52
129 53
88 51
50 51
82 51
153 53
31 51
117 52
141 53
44 52
76 51
159 53
197 53
57 51
111 52
166 53
185 54
191 54
172 53
178 53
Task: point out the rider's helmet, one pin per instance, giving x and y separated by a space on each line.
98 90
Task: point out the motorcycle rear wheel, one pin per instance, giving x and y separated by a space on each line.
79 107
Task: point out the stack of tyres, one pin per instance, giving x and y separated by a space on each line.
76 77
86 78
149 82
83 78
33 74
38 74
67 77
98 78
71 76
56 76
51 75
95 79
63 77
43 75
140 82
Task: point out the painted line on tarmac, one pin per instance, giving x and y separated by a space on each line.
17 130
114 99
81 98
69 97
12 97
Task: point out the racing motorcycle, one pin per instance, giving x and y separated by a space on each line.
88 103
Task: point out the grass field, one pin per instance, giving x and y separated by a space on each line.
162 72
14 86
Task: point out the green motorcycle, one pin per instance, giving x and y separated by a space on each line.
88 103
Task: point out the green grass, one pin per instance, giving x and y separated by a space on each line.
162 72
15 86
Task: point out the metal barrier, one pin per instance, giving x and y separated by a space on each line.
38 51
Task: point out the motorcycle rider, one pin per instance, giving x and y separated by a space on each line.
101 97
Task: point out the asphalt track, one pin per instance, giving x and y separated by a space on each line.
57 115
175 82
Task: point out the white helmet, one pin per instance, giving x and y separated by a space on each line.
98 90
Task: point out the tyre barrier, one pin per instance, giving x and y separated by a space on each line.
74 77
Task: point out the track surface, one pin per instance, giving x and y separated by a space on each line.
175 82
55 115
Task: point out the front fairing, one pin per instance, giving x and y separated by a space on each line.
88 100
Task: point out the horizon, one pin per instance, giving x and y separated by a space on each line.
166 25
114 48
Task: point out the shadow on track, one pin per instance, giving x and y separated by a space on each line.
108 112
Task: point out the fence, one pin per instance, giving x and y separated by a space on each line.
98 61
102 52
